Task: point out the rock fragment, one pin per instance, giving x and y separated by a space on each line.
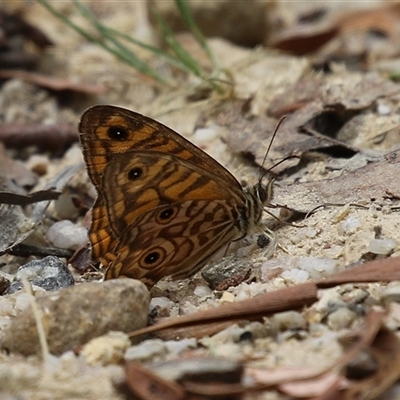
73 316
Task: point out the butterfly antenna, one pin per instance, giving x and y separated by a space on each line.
263 171
283 160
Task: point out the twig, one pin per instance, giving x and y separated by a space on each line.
38 319
24 250
54 137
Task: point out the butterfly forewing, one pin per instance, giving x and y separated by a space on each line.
101 142
137 182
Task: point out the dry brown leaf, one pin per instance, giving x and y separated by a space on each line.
52 82
304 38
197 332
15 171
332 383
386 270
251 135
384 347
52 137
386 352
203 377
281 300
149 386
372 183
16 227
280 376
384 19
12 25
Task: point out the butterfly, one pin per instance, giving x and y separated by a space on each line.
164 206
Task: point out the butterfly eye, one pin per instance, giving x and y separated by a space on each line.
135 173
118 133
262 193
152 258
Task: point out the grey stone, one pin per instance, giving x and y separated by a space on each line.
73 316
49 273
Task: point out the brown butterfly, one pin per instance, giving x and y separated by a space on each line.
164 206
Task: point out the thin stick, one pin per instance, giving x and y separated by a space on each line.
269 148
38 319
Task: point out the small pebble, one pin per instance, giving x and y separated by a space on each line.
175 347
341 214
227 297
230 271
161 303
72 316
289 320
263 241
203 136
6 307
295 275
202 291
318 267
243 292
341 318
107 349
207 369
22 300
383 108
335 251
65 207
38 164
382 246
49 273
228 335
66 235
391 293
147 350
331 299
307 233
272 268
392 318
349 225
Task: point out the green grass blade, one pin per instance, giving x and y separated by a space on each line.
65 20
177 48
155 50
117 47
137 64
196 32
113 41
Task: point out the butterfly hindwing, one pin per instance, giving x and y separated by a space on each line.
178 238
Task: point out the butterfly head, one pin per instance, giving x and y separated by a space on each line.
263 192
259 196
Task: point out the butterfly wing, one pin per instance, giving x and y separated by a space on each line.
137 182
101 236
176 239
107 131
